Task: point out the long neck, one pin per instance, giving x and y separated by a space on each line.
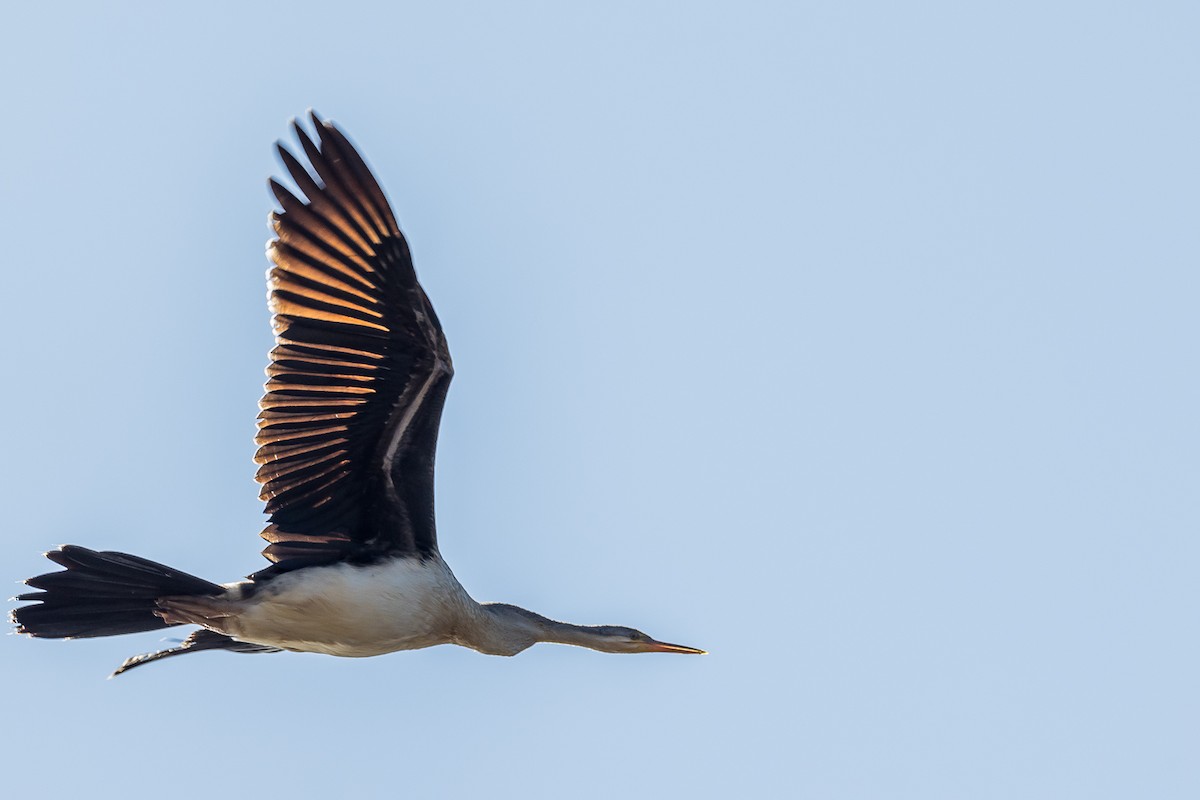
506 630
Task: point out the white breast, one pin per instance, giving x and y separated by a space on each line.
347 610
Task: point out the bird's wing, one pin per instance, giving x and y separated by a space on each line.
358 375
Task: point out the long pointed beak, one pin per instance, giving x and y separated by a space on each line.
663 647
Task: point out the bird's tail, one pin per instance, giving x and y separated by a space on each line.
101 594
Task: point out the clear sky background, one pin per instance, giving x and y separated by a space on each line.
854 342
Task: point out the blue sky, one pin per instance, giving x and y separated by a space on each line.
853 342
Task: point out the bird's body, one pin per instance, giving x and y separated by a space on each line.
342 609
347 436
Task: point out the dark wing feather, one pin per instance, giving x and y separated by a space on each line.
359 373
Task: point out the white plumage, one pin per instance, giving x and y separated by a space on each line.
347 610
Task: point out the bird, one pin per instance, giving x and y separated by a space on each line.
347 434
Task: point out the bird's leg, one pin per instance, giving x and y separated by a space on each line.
206 611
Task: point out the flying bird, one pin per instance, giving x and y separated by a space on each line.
346 439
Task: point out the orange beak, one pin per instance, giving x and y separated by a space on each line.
662 647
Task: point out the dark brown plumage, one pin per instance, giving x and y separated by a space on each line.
360 360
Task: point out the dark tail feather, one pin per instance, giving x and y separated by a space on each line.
200 640
101 594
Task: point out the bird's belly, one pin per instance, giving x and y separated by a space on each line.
346 610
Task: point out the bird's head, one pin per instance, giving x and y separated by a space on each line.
619 639
511 629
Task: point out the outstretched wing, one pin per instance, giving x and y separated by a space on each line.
359 373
